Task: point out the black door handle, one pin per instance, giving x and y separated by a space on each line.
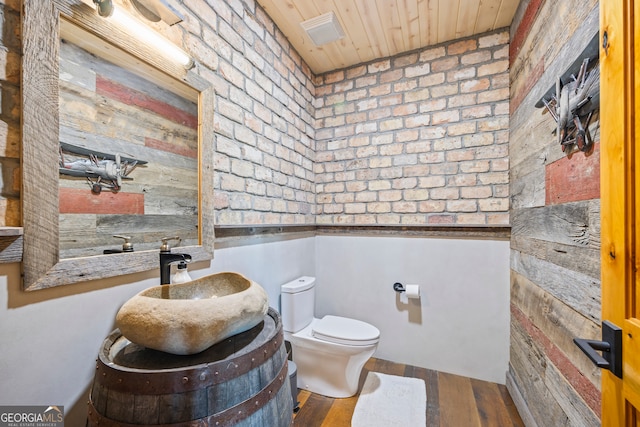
589 348
610 346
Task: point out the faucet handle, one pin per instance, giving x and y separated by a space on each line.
165 243
127 246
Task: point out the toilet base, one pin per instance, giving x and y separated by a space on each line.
331 374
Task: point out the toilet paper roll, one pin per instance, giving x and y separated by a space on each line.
412 291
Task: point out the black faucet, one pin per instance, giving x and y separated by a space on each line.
167 258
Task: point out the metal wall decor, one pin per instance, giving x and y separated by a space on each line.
574 99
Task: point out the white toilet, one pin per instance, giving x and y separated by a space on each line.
329 352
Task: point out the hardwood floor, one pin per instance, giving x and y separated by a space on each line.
452 401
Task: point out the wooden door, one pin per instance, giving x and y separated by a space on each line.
620 198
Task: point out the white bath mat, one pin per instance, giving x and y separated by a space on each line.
389 401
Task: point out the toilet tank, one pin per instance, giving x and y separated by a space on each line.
297 303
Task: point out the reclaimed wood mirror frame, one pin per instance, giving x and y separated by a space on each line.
41 263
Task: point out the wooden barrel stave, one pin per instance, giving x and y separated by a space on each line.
269 415
202 394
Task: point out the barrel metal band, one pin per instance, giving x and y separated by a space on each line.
228 417
197 378
243 410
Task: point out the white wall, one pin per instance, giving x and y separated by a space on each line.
461 323
50 339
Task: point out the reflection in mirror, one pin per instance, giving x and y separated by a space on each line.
112 118
49 257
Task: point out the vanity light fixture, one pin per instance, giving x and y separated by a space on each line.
105 7
143 33
157 10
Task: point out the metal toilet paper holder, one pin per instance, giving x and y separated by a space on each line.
398 287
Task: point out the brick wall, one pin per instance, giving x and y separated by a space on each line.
420 138
263 115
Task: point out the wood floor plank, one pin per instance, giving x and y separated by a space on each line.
433 404
368 367
486 394
389 368
430 378
371 363
303 395
511 407
452 400
314 411
455 393
341 412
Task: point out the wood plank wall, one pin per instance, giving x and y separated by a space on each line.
108 109
10 131
555 217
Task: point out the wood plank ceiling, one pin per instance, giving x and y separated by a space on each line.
381 28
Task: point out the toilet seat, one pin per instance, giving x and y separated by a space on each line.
342 330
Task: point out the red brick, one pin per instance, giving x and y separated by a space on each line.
404 110
356 72
462 46
441 219
444 64
334 77
474 85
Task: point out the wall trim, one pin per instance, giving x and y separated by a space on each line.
518 400
240 235
489 232
227 236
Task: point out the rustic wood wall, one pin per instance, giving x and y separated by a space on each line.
10 146
108 109
555 217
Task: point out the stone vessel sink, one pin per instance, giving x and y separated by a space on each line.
188 318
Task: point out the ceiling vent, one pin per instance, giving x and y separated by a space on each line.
323 29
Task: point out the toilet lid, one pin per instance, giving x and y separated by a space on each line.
341 330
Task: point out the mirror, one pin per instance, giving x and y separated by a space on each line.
108 113
49 259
